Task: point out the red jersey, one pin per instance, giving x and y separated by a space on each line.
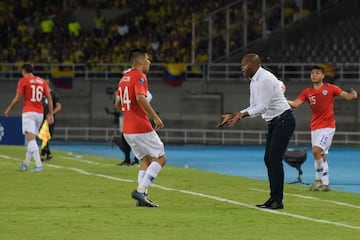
33 88
136 120
321 102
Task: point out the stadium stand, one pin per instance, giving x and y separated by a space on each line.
39 32
134 24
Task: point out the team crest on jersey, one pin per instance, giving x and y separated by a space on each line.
325 92
142 81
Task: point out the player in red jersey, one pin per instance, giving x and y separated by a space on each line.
137 128
321 98
31 88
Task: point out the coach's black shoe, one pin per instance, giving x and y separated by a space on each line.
48 157
142 199
266 204
124 164
275 205
135 162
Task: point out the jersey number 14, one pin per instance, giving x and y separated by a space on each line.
124 99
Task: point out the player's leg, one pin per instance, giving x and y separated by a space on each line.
329 133
321 142
30 127
43 150
126 150
47 147
318 164
34 148
144 164
151 173
149 148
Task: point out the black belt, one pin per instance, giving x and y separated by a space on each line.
281 115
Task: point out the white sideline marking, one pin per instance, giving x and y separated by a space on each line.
81 160
87 161
255 189
81 171
312 198
113 178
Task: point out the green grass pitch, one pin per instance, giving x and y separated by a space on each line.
87 197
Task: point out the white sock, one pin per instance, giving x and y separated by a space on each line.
151 172
325 174
141 175
34 150
318 168
28 156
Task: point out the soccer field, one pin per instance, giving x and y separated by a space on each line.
88 197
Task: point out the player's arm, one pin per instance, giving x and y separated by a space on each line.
295 103
57 108
50 115
118 104
13 103
149 110
57 103
349 95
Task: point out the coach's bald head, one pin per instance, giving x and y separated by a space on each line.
250 64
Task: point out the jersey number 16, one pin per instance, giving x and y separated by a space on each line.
36 93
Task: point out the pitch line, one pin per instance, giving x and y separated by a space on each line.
254 189
220 199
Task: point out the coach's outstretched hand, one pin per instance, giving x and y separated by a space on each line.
229 119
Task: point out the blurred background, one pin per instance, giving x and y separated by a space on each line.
195 47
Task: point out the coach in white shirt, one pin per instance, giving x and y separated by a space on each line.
268 101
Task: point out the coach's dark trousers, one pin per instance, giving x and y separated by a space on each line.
280 130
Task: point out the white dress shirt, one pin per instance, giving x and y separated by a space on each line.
266 96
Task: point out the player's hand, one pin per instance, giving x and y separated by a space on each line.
50 119
226 119
158 123
354 93
6 113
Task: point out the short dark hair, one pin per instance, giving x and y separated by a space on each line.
135 53
318 67
29 68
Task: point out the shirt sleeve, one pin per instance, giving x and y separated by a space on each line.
303 95
336 90
141 85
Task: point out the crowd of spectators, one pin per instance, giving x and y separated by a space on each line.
33 31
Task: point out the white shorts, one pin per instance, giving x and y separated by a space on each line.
322 138
31 122
144 144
